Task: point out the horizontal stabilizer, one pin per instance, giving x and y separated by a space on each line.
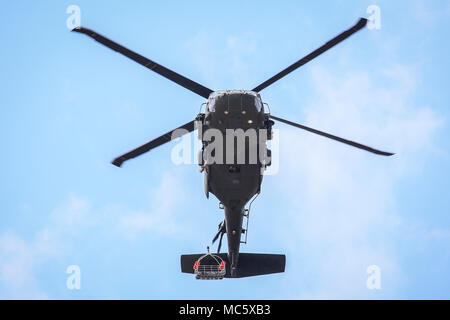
250 264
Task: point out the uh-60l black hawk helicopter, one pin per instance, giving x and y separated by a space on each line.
234 184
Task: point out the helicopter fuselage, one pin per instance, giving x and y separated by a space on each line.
234 122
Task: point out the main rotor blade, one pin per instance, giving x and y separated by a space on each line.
349 142
341 37
169 74
152 144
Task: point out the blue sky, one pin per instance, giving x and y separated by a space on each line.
70 105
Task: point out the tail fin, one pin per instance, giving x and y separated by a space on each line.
250 264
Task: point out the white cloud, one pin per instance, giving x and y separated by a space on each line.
21 260
428 13
342 213
241 49
17 262
203 51
162 217
226 57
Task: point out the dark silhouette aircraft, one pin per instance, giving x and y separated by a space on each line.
233 182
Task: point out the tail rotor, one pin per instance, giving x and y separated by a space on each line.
220 233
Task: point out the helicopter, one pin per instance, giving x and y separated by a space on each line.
234 183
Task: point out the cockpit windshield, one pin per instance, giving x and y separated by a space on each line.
244 97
